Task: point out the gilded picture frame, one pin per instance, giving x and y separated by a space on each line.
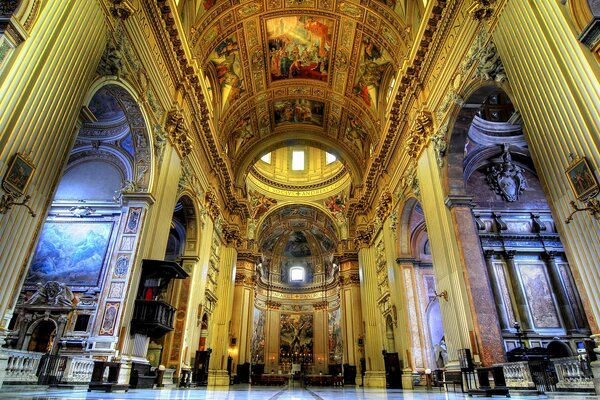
582 179
18 176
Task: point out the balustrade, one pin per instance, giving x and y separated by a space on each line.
518 375
573 373
78 370
22 366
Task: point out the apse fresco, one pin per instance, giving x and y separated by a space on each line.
308 271
299 47
70 252
539 296
297 246
298 111
372 66
325 241
257 344
335 337
226 60
296 336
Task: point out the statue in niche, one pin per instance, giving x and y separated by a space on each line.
53 294
506 178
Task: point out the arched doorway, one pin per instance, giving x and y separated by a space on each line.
297 319
416 263
42 337
528 272
181 248
68 274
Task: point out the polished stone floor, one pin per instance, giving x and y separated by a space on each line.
243 392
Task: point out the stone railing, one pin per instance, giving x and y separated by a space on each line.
22 366
573 374
78 370
518 375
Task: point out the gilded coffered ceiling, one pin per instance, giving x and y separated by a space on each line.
315 72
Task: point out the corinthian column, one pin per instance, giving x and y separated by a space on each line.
217 372
375 368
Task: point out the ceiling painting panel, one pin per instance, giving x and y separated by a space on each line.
226 60
299 47
298 112
372 66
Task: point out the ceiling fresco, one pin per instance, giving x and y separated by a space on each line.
308 70
297 231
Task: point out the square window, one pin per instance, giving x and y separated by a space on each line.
296 274
297 160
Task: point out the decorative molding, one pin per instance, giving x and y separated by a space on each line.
505 177
459 201
177 132
440 144
410 180
212 204
363 237
385 206
352 278
482 9
421 128
273 305
231 235
490 67
121 9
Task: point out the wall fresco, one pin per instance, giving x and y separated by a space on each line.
70 252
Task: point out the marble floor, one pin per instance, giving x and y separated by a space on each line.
244 392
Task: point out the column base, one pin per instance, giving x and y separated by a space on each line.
407 379
375 379
217 377
596 372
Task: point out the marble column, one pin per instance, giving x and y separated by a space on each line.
220 335
558 288
500 306
449 266
522 310
486 323
375 368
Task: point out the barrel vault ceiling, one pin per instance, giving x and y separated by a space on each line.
309 72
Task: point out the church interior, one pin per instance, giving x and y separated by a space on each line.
378 194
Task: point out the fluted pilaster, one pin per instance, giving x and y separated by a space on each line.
42 90
375 374
217 374
556 89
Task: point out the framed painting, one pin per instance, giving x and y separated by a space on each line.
71 252
19 174
582 179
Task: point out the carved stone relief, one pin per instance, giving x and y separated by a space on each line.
506 178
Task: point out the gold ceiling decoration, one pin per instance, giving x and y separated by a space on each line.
313 72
